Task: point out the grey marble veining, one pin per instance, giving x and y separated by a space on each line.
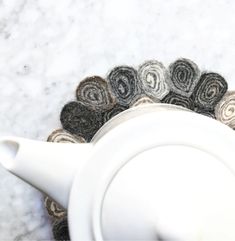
47 47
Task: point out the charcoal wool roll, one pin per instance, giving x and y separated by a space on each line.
113 112
78 119
154 78
95 93
62 136
176 99
124 84
54 209
225 109
209 113
184 75
61 230
209 90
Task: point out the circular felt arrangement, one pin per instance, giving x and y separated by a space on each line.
100 99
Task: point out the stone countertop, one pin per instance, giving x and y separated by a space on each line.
47 47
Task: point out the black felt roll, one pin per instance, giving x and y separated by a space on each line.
209 90
124 84
206 112
78 119
61 230
95 93
184 75
176 99
113 112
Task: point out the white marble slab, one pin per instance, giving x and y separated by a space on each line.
48 46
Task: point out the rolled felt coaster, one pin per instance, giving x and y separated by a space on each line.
143 100
209 113
209 90
54 210
113 112
124 84
225 109
78 119
63 136
60 229
184 75
154 79
95 93
176 99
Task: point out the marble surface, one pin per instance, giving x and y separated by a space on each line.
48 46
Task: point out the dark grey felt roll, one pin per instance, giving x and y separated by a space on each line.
206 112
184 75
113 112
176 99
60 229
124 84
209 90
154 79
95 93
78 119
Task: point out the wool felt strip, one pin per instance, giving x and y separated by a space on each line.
184 75
78 119
143 100
154 79
209 90
95 93
124 84
113 112
206 112
61 230
63 136
225 109
176 99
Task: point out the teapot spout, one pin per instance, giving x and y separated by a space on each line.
50 167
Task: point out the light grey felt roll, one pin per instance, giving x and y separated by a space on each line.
143 100
184 75
95 93
124 84
209 90
154 79
225 109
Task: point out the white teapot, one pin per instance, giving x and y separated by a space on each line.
153 172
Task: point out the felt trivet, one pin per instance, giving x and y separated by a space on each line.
154 79
124 84
225 110
99 100
184 75
209 90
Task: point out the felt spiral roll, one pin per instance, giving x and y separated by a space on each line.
154 78
209 113
113 112
60 229
184 75
225 109
54 209
176 99
209 90
143 100
95 93
124 84
62 136
78 119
